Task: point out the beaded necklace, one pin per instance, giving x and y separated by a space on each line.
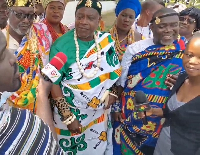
119 49
142 28
78 59
53 33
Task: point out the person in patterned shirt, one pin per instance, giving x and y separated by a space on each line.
21 132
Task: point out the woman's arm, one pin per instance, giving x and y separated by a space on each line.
157 112
153 111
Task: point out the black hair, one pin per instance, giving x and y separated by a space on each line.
193 13
163 12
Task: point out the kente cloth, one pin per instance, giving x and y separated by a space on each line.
147 72
83 94
21 132
32 54
54 34
134 5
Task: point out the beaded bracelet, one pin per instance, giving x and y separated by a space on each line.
69 120
113 95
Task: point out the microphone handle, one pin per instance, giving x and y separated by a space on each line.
144 120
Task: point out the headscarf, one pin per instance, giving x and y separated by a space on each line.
95 4
128 4
23 3
46 2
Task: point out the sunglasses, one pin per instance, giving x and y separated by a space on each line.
187 20
22 16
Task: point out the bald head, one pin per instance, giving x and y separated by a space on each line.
151 6
148 9
195 41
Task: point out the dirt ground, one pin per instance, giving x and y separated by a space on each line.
109 20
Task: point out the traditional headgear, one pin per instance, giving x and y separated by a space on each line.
95 4
46 2
157 19
128 4
24 3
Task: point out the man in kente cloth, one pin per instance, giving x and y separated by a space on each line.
81 119
31 44
145 66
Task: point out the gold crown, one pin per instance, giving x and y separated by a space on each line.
88 3
24 3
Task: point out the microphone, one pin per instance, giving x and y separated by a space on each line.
51 70
141 104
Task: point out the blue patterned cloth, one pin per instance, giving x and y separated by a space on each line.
147 73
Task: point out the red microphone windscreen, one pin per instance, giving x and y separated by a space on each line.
59 60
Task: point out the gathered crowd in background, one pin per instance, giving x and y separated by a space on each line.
79 90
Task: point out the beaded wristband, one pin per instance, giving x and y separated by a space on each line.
63 108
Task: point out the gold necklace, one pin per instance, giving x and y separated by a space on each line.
130 39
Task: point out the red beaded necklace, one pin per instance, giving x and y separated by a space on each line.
53 33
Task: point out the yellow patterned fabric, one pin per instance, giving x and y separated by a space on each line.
24 3
31 56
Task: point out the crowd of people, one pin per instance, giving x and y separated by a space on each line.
91 107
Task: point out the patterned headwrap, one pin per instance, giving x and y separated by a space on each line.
46 2
24 3
128 4
95 4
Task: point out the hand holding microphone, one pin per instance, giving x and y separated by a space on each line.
142 105
51 73
51 70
